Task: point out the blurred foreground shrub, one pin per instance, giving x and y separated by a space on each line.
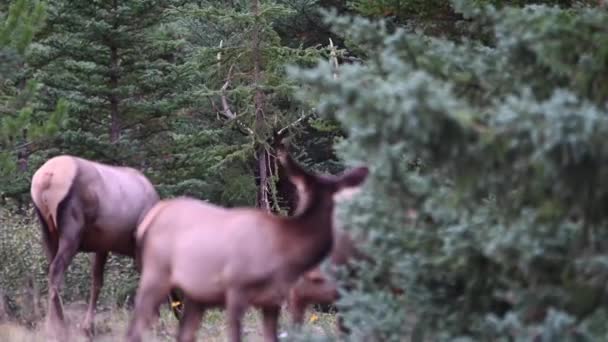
488 198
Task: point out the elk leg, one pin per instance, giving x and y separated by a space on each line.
322 291
341 327
270 316
96 283
177 309
71 229
153 289
297 307
190 320
236 304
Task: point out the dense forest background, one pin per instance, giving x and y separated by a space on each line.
484 123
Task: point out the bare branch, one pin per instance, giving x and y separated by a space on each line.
227 112
353 59
226 108
333 58
300 119
24 145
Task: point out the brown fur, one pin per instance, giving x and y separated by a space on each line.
86 206
233 258
317 287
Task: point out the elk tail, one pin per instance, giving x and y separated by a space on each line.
52 186
49 243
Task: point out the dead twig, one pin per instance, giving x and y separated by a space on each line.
226 111
333 58
297 121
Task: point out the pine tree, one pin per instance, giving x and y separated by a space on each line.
243 97
18 126
487 198
19 23
116 63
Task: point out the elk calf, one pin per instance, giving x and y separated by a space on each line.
317 287
234 258
86 206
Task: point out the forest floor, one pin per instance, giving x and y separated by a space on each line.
111 325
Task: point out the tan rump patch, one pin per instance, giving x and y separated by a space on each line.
51 184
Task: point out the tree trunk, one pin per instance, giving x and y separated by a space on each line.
262 198
114 101
23 155
262 155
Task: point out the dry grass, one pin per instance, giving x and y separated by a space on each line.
111 325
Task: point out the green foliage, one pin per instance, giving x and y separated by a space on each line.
498 234
116 65
217 150
439 17
216 53
23 19
19 126
437 8
399 8
486 203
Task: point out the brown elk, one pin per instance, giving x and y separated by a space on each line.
318 287
321 287
86 206
234 257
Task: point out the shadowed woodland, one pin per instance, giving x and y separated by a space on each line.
481 123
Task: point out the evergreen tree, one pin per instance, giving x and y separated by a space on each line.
487 198
19 22
116 63
237 58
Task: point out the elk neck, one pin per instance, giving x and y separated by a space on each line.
309 234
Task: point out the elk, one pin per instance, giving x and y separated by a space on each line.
234 257
318 287
86 206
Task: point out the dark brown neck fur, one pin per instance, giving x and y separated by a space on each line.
308 236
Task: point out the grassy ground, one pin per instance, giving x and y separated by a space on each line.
111 325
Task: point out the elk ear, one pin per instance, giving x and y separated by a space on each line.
353 178
349 183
